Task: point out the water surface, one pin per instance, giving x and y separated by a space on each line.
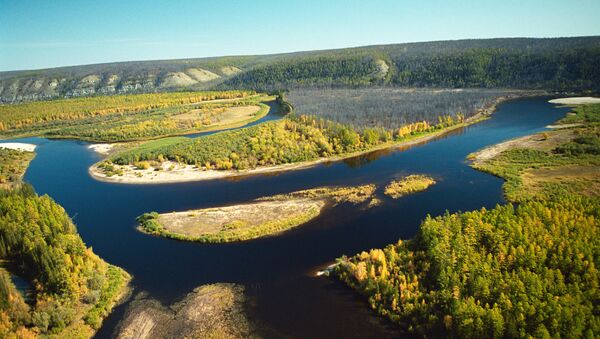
278 271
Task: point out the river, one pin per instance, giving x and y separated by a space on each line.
278 272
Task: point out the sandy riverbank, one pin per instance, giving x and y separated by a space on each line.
103 149
575 101
171 172
19 146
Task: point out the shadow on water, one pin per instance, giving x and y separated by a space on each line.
278 272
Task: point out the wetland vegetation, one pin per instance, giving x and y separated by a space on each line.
407 185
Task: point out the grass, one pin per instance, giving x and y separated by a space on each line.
263 217
408 185
559 160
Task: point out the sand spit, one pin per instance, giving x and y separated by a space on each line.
103 149
575 101
19 146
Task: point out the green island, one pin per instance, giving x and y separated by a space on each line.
295 141
263 217
408 185
133 117
72 289
526 270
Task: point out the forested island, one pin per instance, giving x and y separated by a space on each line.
293 142
512 271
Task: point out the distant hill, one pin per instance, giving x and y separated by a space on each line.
561 64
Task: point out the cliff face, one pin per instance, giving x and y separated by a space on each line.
52 84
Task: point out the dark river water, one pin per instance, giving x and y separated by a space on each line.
278 272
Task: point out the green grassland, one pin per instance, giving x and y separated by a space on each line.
565 159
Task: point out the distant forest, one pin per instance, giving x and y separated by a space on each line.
556 64
391 107
552 64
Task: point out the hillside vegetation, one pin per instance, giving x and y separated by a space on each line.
565 64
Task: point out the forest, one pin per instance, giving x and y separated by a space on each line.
392 107
73 288
510 272
556 64
550 64
130 117
295 138
515 271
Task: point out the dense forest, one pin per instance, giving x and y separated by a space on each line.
562 64
73 288
392 107
508 272
292 139
551 64
516 271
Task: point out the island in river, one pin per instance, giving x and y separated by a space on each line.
295 142
262 217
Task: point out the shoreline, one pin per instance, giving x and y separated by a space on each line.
18 146
190 174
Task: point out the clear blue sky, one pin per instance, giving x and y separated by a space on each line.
50 33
